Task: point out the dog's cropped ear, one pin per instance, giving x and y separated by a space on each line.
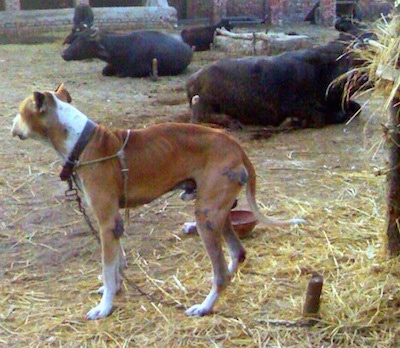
39 99
63 94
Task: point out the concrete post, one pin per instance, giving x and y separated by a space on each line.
276 7
328 12
219 10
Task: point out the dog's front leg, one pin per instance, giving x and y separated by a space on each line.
111 248
123 264
104 308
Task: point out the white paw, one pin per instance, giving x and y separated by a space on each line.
198 310
99 312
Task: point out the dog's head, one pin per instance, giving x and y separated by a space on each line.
38 115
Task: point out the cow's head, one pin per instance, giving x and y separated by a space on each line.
88 44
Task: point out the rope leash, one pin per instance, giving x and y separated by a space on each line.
73 193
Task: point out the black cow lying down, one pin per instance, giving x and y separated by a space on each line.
352 30
132 54
266 91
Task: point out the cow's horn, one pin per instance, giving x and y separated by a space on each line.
94 32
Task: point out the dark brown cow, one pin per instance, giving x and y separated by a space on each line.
200 38
266 91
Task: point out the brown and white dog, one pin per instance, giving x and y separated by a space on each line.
157 159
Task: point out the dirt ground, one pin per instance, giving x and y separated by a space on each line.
49 261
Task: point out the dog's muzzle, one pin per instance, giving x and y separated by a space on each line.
20 136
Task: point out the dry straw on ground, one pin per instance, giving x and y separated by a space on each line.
262 308
50 261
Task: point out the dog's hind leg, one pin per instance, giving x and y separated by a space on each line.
211 220
216 196
237 252
210 233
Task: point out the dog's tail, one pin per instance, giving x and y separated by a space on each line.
251 199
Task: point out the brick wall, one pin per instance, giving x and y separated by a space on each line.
287 11
26 23
275 11
250 7
278 12
192 9
199 8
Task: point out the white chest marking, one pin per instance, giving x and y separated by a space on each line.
73 120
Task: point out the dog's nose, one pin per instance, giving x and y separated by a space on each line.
15 133
15 128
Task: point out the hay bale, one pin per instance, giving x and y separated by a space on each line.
382 66
381 57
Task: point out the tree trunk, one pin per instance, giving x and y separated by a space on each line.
393 179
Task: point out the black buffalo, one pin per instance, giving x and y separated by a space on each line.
200 38
132 54
296 85
83 19
352 29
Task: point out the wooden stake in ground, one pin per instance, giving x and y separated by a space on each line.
393 178
313 296
154 68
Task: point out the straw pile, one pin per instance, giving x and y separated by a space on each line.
381 57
